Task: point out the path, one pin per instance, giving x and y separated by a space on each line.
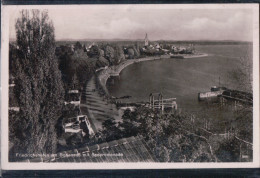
97 107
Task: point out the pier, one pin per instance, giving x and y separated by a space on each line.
224 95
161 103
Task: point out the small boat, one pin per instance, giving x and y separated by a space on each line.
212 95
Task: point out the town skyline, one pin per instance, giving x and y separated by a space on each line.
140 40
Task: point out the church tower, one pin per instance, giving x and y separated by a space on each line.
146 40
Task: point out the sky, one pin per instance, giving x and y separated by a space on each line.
159 24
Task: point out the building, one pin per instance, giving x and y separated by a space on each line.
76 124
73 97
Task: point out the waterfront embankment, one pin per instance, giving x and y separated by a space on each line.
97 105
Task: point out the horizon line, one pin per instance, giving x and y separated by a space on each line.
122 39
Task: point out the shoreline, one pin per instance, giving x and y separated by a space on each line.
96 99
105 74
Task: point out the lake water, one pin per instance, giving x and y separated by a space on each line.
180 78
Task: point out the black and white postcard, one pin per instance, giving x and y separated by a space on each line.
130 86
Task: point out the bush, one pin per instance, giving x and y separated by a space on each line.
229 151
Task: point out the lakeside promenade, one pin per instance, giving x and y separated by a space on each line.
97 103
96 106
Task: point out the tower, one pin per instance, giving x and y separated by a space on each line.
146 40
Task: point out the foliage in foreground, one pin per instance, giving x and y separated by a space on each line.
38 88
172 137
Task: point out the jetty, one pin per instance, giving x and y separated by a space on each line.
224 95
162 103
237 96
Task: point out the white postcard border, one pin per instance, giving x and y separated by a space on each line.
51 166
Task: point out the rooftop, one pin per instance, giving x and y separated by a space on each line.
132 149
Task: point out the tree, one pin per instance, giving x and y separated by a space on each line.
39 88
84 70
136 51
229 151
101 53
110 130
79 54
78 45
119 55
68 68
93 51
130 53
109 54
137 46
130 123
102 62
